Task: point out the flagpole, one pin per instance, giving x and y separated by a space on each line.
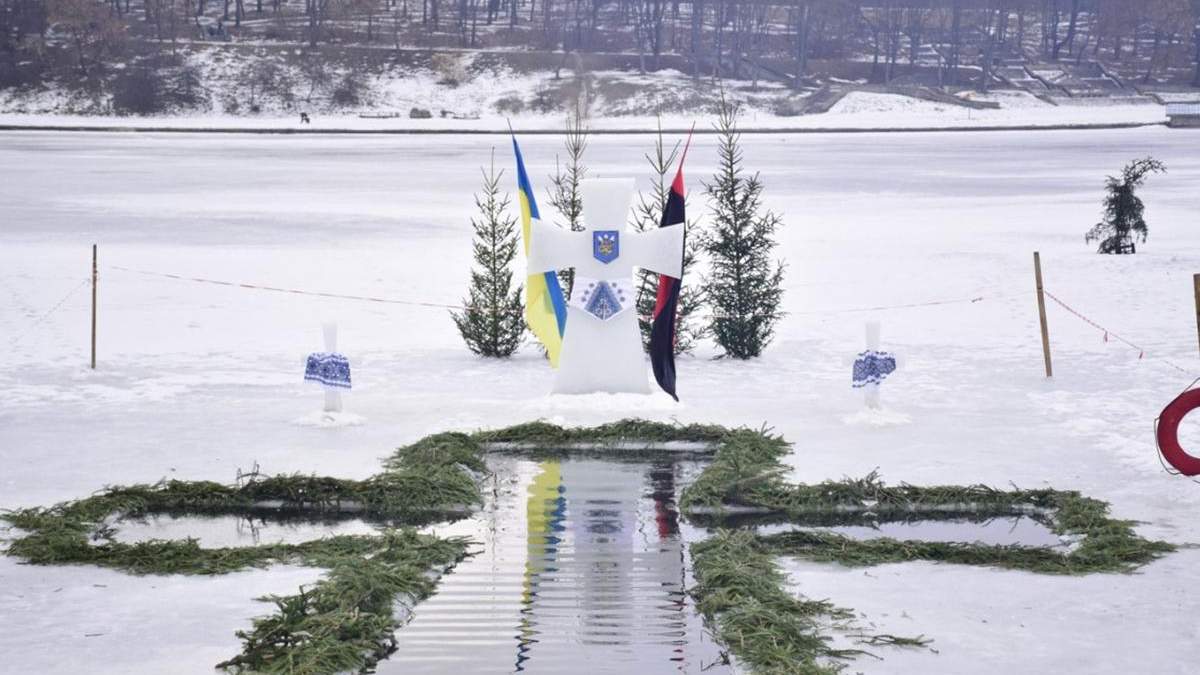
687 144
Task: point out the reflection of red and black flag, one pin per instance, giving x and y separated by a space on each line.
662 330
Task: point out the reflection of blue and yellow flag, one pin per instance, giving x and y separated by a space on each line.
545 510
545 309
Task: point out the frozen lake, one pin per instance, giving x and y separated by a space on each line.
197 381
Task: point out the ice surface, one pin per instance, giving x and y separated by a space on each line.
329 420
877 417
196 380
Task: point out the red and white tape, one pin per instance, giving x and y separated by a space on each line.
1107 333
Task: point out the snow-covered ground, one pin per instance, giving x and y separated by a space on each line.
478 107
196 380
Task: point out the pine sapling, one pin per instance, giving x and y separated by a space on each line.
492 322
647 215
565 195
1123 224
745 283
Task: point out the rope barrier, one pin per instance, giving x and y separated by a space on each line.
418 303
293 291
931 303
37 322
1141 350
1141 354
437 305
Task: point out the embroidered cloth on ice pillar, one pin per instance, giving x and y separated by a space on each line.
871 367
602 346
329 369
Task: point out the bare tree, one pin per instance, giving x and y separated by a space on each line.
1168 19
915 27
648 27
893 27
316 11
91 28
1115 19
955 42
1196 42
1069 40
803 28
994 30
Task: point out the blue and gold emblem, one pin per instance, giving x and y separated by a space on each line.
606 245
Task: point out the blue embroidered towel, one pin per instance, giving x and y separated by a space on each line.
330 369
871 367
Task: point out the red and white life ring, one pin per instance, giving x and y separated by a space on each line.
1168 432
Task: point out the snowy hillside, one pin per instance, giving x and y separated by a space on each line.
267 87
488 104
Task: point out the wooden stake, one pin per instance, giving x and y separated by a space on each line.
1196 290
1041 298
94 306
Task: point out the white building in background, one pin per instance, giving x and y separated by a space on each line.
1183 114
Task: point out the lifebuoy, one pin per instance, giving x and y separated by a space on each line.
1168 432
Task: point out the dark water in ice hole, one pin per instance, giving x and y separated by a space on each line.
235 530
1000 530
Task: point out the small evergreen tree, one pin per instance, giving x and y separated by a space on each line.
1123 224
565 196
647 215
745 285
492 322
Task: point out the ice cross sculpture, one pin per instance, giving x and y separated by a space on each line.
602 346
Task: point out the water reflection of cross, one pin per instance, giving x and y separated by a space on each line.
606 568
602 347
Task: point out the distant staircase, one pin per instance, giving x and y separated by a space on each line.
1089 79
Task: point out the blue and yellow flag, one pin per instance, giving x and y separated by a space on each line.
545 309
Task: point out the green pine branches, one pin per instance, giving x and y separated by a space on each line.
745 283
492 322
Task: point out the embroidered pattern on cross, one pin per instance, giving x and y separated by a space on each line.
602 298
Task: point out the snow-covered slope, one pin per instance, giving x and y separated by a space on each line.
490 99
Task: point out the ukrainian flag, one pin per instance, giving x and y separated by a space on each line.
545 309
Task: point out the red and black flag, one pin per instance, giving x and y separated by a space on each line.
662 330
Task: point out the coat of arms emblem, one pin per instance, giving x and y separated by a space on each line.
606 245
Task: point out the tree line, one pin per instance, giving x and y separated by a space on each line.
959 40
